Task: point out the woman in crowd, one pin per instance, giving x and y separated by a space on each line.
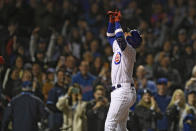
73 109
177 110
189 122
146 113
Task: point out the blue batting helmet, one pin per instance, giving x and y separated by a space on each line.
135 39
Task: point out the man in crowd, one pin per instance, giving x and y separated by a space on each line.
55 117
162 100
85 80
25 111
97 110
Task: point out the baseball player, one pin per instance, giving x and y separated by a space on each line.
123 93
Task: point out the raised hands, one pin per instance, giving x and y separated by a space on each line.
114 16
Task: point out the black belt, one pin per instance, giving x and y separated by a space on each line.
119 86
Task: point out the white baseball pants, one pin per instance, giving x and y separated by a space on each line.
121 100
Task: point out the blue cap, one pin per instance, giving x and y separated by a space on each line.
191 92
27 84
162 81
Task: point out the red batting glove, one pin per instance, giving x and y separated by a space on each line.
118 17
112 16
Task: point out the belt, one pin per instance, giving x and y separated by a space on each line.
121 85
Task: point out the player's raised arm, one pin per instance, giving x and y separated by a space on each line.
119 32
111 27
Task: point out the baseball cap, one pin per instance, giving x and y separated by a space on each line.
146 91
27 85
191 92
162 80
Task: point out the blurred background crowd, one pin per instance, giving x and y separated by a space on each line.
56 67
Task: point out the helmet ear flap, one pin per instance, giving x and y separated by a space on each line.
135 32
135 39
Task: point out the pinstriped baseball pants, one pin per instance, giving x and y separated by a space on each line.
121 100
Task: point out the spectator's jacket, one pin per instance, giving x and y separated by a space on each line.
74 116
176 116
46 88
24 110
55 118
146 118
86 83
189 122
96 118
162 102
53 97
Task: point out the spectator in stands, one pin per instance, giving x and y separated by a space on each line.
55 117
12 87
149 66
187 62
94 48
49 84
96 66
177 110
19 65
87 56
182 40
191 100
96 110
61 63
162 100
189 122
73 109
143 81
37 80
70 63
165 70
25 111
104 78
191 83
75 40
108 53
85 80
146 113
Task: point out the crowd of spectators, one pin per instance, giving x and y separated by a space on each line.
56 52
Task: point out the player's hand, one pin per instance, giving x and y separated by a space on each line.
112 13
118 17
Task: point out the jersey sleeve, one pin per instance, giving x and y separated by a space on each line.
120 38
110 33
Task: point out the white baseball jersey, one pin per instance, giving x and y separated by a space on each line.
122 64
